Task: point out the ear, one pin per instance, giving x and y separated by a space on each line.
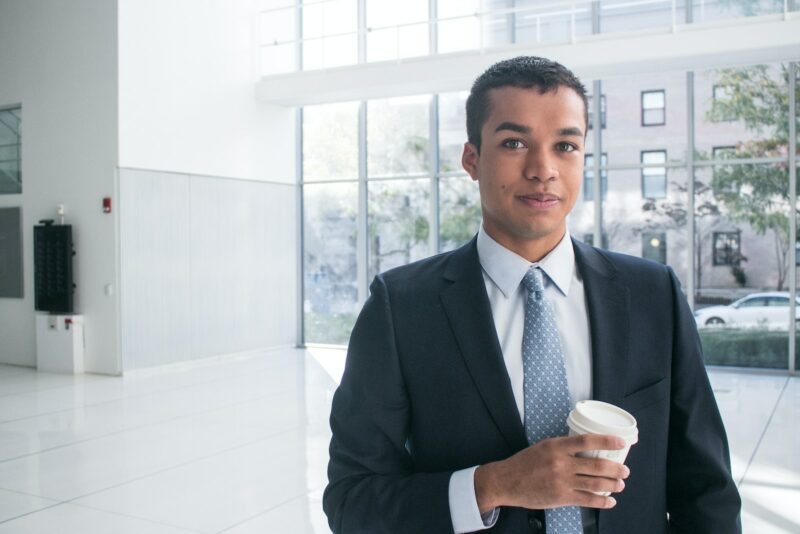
469 160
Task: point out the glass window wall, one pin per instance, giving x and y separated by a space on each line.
330 290
717 10
318 34
398 133
403 174
742 220
459 212
278 34
330 37
452 128
330 142
399 224
397 30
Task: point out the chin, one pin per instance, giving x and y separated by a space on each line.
541 231
532 234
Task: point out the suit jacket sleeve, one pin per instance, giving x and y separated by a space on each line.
373 485
701 494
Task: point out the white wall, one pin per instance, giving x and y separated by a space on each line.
208 266
207 180
59 60
187 92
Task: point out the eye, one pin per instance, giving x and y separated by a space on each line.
566 147
513 144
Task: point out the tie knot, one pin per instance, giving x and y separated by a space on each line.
534 280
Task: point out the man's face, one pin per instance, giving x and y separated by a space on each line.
530 166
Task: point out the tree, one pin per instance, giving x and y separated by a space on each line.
749 8
757 194
462 215
672 214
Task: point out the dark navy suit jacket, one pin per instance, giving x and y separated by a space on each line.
425 392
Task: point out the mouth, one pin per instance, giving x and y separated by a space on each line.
539 200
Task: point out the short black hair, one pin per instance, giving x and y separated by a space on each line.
522 71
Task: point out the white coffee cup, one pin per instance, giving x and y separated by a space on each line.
596 417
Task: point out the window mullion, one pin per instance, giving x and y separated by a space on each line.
433 147
793 213
362 233
691 280
598 149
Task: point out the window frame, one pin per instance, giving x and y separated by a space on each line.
590 114
663 108
644 169
12 108
715 98
647 237
719 149
588 192
733 258
715 150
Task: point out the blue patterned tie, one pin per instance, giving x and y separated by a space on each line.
545 385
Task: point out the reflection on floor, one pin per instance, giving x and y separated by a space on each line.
239 445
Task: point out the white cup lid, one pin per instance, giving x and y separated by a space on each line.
596 417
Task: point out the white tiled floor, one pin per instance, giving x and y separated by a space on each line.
239 446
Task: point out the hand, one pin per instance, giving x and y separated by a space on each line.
548 474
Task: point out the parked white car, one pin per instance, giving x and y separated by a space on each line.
757 309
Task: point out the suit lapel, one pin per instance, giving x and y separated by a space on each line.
467 307
607 303
469 313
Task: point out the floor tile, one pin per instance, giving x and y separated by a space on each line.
17 406
8 370
94 420
331 360
87 467
745 403
69 518
34 382
14 504
240 445
303 515
214 493
771 486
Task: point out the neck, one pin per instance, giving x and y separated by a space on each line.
532 249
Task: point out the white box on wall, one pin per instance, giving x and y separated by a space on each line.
59 343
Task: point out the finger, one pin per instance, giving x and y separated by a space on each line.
600 467
590 442
590 500
598 484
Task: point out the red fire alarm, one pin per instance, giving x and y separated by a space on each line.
107 205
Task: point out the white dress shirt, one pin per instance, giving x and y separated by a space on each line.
503 271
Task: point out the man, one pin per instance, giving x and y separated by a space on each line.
462 368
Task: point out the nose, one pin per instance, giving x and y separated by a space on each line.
540 166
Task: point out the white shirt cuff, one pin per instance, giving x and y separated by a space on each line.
464 512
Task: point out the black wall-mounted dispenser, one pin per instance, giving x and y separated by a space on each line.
52 267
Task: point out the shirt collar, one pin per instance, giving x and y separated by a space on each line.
506 268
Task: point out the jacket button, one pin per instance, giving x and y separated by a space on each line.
536 525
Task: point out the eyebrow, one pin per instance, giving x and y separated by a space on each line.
514 127
520 128
571 132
